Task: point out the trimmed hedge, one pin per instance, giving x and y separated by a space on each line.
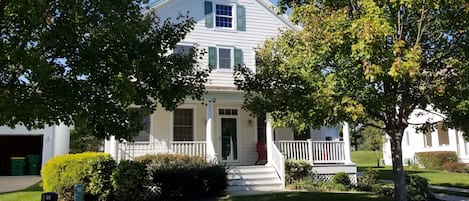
434 160
130 181
455 167
91 169
296 170
182 177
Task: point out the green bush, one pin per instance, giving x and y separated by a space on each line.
369 180
130 181
341 178
417 188
455 167
180 177
434 160
91 169
296 170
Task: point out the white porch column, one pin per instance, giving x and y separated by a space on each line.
346 132
269 138
210 152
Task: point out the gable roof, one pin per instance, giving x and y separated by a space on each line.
268 5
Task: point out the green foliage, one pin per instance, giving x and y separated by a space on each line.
455 167
182 177
364 61
417 188
434 160
93 170
130 181
369 180
341 178
70 61
297 170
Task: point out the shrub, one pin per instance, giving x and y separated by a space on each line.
129 181
417 188
180 176
369 180
93 170
434 160
455 167
341 178
296 170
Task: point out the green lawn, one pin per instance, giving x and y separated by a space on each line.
323 196
366 158
31 193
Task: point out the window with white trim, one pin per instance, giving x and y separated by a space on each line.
225 58
182 49
224 16
183 125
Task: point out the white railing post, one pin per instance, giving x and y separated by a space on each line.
346 132
269 139
310 150
210 153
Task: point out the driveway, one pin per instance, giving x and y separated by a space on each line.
14 183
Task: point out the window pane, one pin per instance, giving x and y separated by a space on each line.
144 135
183 125
224 58
224 16
182 49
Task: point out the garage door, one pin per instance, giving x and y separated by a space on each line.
18 146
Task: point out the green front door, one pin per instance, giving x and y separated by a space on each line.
229 139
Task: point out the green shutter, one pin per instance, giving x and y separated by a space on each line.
238 58
212 57
208 14
241 18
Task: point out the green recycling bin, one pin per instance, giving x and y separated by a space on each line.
17 166
34 164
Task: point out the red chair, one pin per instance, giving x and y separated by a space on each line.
261 153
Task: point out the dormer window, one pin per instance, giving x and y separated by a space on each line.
224 16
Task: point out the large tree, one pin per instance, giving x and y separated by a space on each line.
365 61
93 61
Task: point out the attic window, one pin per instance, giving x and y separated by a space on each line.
224 16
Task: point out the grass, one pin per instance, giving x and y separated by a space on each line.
31 193
297 196
366 158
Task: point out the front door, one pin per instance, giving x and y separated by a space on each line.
229 139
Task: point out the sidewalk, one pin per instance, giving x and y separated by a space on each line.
15 183
443 196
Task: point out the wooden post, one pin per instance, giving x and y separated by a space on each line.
346 132
210 152
269 138
310 151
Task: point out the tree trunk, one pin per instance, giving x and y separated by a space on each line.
400 193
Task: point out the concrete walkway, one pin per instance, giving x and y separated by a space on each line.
15 183
442 196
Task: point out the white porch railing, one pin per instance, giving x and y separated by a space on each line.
191 148
278 162
130 150
313 151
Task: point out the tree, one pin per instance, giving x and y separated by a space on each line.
365 61
94 60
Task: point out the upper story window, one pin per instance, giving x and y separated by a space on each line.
224 16
224 57
229 16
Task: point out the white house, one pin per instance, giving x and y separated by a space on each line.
21 142
438 139
217 127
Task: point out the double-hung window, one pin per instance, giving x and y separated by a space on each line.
144 134
183 50
183 125
224 16
225 57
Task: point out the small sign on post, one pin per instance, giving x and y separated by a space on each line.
78 193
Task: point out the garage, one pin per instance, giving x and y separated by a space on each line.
18 146
24 152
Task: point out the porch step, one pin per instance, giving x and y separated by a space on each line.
253 178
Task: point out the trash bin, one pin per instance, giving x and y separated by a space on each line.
49 196
34 164
17 166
